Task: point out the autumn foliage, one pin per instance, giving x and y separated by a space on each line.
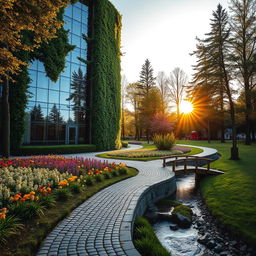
37 17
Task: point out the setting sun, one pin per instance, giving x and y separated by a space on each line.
186 107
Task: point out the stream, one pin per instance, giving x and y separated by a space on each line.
203 238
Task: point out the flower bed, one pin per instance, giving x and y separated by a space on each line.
28 187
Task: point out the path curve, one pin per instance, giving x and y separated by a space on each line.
96 227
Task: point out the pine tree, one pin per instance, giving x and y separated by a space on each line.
55 115
243 24
147 79
78 96
214 67
36 113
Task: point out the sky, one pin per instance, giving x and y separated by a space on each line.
163 31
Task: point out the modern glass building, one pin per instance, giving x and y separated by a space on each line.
56 110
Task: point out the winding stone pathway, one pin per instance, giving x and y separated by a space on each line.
102 225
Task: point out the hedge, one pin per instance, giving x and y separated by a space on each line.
56 149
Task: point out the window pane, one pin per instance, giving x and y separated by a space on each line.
76 28
65 84
77 13
68 11
84 29
32 93
42 95
74 68
81 135
54 85
78 5
42 80
83 44
54 96
65 115
68 23
76 40
84 17
75 55
33 78
85 7
84 54
63 98
40 66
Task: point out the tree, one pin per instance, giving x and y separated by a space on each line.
55 115
177 83
124 84
147 79
37 18
213 53
78 95
36 114
243 26
161 124
162 84
133 94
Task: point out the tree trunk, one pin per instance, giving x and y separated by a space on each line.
222 127
5 120
208 131
248 110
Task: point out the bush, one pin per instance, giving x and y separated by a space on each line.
98 178
164 141
125 144
75 188
62 194
27 210
146 241
58 149
114 173
89 181
9 226
184 210
122 171
107 175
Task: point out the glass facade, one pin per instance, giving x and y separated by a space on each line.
56 110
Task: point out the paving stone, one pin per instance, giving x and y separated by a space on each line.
103 224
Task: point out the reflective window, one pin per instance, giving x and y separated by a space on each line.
54 96
77 13
65 84
53 106
42 95
42 80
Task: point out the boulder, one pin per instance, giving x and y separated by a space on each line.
165 216
174 227
181 220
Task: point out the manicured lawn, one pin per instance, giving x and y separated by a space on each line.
29 239
148 152
231 197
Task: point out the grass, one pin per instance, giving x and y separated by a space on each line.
231 197
146 147
55 149
28 240
146 241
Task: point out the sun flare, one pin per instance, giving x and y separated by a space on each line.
186 107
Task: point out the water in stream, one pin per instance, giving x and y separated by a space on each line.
182 241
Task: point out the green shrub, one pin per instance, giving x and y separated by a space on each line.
27 210
98 177
164 141
62 194
58 149
9 226
47 201
89 180
75 188
107 175
114 173
122 171
146 241
125 144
